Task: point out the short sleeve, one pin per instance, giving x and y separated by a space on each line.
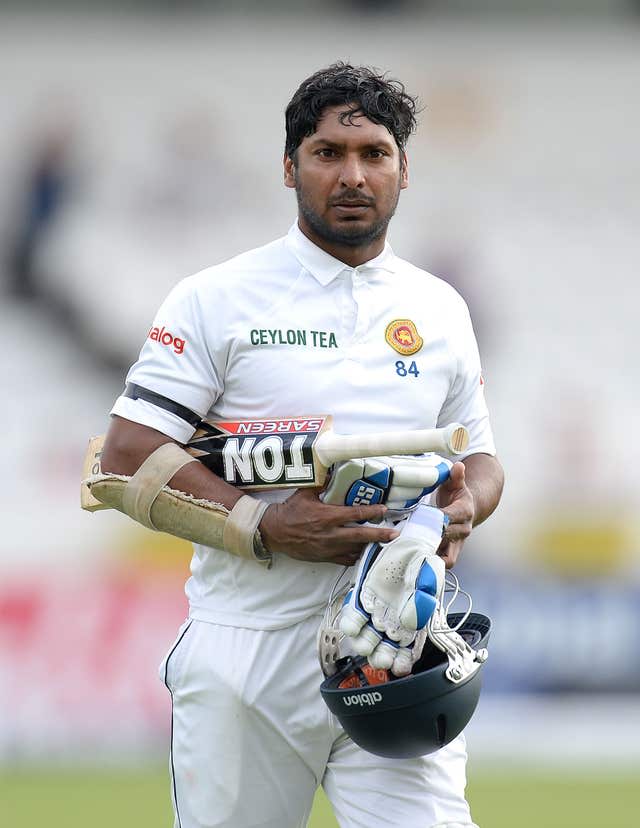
178 363
465 402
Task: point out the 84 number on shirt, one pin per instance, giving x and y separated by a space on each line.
403 371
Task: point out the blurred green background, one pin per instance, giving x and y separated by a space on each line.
500 798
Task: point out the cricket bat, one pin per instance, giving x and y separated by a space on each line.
289 452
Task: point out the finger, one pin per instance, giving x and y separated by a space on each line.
307 502
457 475
374 514
342 558
366 641
364 534
455 483
352 621
379 617
402 663
311 493
450 550
460 511
383 656
403 637
341 515
457 529
349 557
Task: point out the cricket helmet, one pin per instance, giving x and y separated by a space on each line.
416 714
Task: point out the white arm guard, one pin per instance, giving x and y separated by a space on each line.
147 499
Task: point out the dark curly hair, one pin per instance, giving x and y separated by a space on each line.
381 99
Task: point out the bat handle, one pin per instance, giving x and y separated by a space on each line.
456 438
332 448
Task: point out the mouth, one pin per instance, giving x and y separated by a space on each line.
349 207
352 202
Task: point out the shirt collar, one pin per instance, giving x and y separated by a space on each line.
325 267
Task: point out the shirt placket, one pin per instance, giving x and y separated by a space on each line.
360 297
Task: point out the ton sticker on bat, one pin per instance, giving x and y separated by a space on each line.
252 460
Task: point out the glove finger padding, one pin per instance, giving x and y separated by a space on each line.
398 587
397 481
388 656
354 616
405 581
381 652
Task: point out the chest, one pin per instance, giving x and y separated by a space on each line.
370 356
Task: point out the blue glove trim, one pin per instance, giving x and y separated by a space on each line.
409 503
425 606
386 640
381 478
357 606
425 595
444 473
371 555
426 580
363 493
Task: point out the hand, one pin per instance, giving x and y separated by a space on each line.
399 481
306 529
397 589
456 500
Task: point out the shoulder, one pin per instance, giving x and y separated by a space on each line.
230 290
430 287
242 270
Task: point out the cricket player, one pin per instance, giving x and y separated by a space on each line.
326 320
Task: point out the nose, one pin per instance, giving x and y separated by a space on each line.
351 172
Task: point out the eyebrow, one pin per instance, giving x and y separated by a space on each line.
382 144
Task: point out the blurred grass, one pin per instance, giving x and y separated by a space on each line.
500 798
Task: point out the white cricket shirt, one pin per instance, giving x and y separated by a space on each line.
287 330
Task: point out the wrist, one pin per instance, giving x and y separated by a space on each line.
266 527
260 550
241 535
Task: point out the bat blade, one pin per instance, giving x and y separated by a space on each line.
285 453
263 454
90 467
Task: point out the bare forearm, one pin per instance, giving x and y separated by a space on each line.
302 527
128 445
484 477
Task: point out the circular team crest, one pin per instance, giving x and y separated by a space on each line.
403 337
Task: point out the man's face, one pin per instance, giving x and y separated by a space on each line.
347 178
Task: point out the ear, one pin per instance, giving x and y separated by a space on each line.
289 172
404 171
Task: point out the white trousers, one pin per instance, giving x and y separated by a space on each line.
251 740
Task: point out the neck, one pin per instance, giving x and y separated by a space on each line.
352 256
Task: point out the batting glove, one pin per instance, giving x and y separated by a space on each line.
397 589
397 481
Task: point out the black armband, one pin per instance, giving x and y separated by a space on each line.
137 392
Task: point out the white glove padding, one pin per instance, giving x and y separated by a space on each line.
382 652
389 655
398 481
398 586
